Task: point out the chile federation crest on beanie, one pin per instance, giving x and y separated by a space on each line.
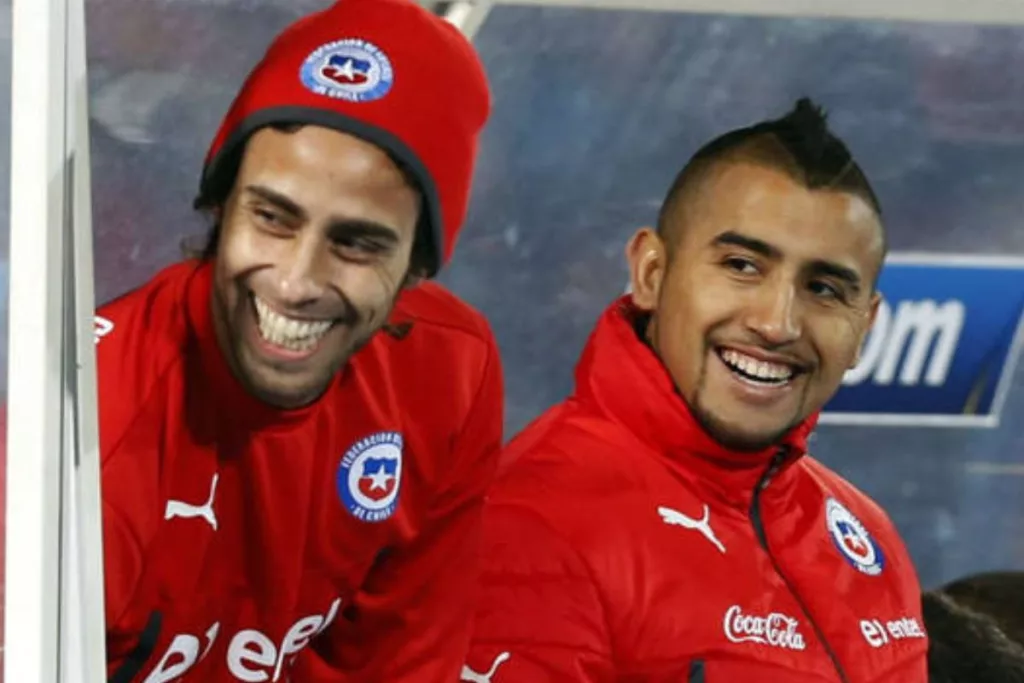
386 71
350 69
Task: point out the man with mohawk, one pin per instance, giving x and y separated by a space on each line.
665 523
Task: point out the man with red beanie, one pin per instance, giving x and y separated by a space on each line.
665 524
296 431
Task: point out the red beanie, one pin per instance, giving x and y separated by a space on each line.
387 71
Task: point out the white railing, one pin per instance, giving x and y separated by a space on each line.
53 614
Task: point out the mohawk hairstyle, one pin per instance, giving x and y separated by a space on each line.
800 143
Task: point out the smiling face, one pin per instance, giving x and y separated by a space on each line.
760 302
315 245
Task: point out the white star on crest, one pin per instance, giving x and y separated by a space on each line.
380 480
348 70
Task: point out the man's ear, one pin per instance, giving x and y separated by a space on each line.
876 301
647 257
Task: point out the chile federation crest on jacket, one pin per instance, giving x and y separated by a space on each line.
852 539
370 475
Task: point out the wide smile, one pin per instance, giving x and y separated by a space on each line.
286 337
757 377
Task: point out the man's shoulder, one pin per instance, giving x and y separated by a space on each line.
140 337
862 505
146 318
438 352
576 469
431 305
436 365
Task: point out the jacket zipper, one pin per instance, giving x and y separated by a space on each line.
755 517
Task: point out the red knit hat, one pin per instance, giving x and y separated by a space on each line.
387 71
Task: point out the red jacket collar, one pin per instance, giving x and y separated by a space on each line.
623 378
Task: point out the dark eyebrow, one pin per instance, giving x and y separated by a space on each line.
730 238
339 227
281 201
834 270
349 228
816 267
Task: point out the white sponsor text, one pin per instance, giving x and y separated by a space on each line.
775 629
251 655
878 634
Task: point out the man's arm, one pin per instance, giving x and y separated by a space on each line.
540 617
410 622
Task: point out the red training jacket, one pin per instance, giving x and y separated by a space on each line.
624 545
331 543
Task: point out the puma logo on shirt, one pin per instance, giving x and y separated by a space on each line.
177 508
703 525
470 676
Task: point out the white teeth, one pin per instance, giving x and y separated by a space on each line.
763 370
288 333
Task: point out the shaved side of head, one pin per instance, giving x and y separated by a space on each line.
799 144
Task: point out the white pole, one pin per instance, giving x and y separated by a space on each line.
466 15
34 394
83 641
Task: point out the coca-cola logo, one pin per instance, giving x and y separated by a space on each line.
775 629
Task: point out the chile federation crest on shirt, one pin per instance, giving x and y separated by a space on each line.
852 539
370 475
